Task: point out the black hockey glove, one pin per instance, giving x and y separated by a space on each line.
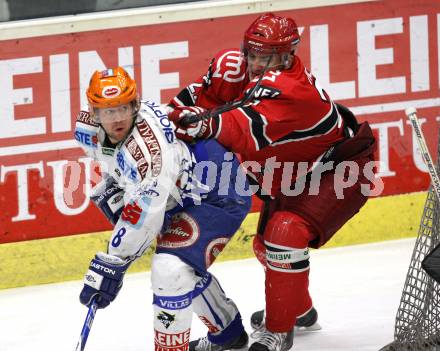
103 279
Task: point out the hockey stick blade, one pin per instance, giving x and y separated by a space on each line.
216 111
411 112
87 326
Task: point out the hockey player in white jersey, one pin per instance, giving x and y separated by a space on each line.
157 187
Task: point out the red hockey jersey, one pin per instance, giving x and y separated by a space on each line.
290 120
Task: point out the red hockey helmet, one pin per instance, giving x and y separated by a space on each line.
271 34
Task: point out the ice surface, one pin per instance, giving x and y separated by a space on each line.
356 291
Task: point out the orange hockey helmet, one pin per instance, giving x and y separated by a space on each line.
111 88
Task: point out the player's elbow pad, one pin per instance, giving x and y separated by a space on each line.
110 201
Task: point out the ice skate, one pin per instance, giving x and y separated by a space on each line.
268 341
306 322
203 344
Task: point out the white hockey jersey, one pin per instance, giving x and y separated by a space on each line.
151 165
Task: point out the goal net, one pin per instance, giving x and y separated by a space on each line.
417 325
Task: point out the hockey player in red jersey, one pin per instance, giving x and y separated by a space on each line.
290 135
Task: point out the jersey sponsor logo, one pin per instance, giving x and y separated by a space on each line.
182 232
171 342
163 120
213 250
142 168
130 172
107 151
111 91
85 137
84 117
266 92
152 145
150 193
132 213
135 151
166 319
121 161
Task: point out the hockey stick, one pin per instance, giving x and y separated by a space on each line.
87 326
411 112
216 111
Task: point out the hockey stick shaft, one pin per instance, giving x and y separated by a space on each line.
222 109
87 326
412 115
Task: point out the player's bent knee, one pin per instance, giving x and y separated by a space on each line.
170 276
289 229
286 239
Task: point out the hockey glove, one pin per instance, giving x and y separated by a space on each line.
109 198
103 279
204 129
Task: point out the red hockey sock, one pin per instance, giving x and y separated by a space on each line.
287 273
286 297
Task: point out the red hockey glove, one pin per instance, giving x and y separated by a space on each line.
199 130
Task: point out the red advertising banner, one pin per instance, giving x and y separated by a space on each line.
376 57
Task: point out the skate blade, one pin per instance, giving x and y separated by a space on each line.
313 327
